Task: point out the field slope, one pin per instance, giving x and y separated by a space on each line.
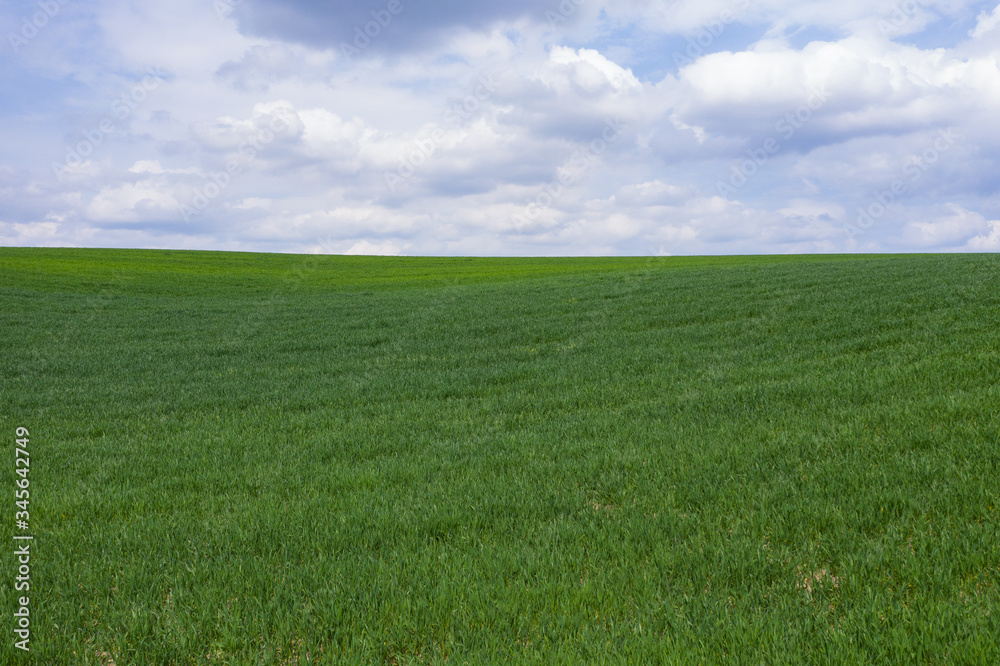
244 458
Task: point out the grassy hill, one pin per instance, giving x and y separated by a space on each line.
242 458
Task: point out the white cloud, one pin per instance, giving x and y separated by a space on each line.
463 178
586 71
153 167
989 241
150 199
40 234
986 23
953 228
388 248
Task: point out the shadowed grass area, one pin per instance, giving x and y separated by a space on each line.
255 458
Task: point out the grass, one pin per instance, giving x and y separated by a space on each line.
276 459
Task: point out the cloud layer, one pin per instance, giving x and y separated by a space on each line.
575 128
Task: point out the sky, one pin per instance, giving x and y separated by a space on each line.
522 128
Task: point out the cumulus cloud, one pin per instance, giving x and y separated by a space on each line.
951 228
986 23
634 127
586 72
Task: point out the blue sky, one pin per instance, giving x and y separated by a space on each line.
458 127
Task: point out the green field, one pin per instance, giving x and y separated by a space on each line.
278 459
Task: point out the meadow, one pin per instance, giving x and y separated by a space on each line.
277 459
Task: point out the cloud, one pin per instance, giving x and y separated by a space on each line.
951 228
988 241
153 167
449 120
986 23
145 200
382 25
585 72
388 248
260 67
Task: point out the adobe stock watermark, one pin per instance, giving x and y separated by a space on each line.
484 87
914 170
566 10
710 31
223 8
786 128
364 36
248 150
30 26
581 161
22 466
121 109
901 14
